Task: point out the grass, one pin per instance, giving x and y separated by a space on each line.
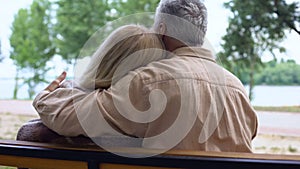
275 149
261 148
4 167
9 125
292 149
292 109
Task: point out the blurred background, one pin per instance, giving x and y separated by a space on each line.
256 40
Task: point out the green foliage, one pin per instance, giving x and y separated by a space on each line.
143 9
284 73
128 7
255 27
78 20
35 39
31 44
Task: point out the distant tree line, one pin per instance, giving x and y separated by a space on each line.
283 73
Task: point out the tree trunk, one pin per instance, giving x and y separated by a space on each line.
32 83
30 90
16 88
251 85
251 82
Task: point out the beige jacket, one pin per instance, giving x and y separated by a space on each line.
184 102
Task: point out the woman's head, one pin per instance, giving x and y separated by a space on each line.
121 46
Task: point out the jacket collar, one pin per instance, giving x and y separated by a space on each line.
195 52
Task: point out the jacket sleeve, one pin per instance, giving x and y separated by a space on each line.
73 112
56 110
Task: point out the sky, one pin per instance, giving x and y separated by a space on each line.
217 17
7 11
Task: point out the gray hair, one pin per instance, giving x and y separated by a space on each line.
185 20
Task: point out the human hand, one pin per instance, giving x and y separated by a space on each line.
56 83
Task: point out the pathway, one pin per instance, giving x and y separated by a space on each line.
272 123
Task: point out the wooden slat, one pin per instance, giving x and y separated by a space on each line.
47 156
38 163
119 166
235 155
146 151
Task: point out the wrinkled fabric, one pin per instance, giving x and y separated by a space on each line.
185 102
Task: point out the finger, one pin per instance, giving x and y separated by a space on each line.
53 85
61 77
56 83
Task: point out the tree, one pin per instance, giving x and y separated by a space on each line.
143 11
78 20
255 27
31 45
283 73
1 57
132 6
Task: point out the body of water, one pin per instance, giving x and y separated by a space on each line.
7 88
276 95
263 95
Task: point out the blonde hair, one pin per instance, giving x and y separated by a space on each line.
120 48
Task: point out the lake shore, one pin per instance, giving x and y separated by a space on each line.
19 107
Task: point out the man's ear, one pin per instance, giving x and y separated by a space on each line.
162 29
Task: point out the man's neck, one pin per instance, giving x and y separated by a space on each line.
172 44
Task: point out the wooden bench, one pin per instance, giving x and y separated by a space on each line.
49 156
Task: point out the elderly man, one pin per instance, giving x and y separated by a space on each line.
185 102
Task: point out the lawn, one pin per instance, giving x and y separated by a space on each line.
4 167
9 125
292 109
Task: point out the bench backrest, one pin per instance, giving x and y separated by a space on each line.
50 156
